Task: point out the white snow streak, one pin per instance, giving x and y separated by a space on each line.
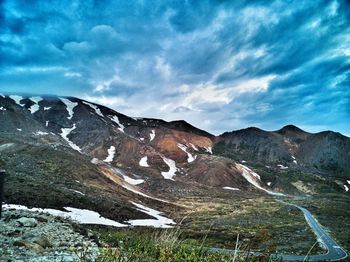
17 99
70 106
143 162
65 133
152 135
82 216
231 188
247 174
282 166
115 119
194 147
34 108
172 168
78 192
47 108
41 133
209 149
111 153
97 110
190 158
132 181
346 188
159 221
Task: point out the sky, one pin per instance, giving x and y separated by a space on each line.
219 65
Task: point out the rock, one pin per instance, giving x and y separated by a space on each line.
43 241
27 222
28 245
14 233
42 219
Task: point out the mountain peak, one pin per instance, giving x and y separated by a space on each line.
290 128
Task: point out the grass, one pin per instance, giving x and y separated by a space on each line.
263 224
163 245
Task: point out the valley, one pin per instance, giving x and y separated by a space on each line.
69 154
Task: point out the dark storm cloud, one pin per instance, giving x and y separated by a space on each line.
219 64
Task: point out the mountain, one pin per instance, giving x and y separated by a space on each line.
325 152
67 152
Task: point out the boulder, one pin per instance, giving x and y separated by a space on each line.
28 245
27 222
43 241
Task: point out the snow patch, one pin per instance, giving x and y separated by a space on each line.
243 161
194 147
152 135
111 153
97 110
172 168
142 139
132 181
2 109
47 108
190 158
70 107
115 119
268 183
34 108
282 166
19 129
346 188
348 181
17 99
247 174
47 123
209 149
41 133
143 162
231 188
65 133
95 161
78 192
158 222
82 216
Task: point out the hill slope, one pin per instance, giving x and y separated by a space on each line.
66 152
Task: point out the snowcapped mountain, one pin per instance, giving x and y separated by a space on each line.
66 152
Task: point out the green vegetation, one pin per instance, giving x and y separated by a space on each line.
162 245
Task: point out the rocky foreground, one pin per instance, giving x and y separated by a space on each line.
32 236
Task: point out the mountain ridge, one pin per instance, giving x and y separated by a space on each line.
118 159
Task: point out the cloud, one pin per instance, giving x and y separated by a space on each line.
220 65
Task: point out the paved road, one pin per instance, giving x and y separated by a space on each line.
334 251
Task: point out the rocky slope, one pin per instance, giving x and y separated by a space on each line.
326 152
33 236
66 152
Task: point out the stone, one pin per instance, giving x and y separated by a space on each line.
27 222
28 245
42 219
43 241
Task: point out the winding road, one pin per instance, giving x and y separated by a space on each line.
334 251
